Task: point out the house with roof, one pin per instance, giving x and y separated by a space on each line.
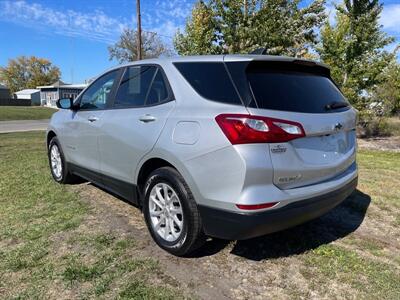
29 94
49 94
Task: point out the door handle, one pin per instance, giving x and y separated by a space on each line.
147 118
93 119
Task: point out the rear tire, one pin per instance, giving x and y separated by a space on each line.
58 166
171 213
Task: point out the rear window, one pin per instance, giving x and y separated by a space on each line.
290 89
210 80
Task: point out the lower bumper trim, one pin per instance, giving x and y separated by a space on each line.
240 226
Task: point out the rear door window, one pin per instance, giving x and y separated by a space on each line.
210 80
293 90
134 86
158 91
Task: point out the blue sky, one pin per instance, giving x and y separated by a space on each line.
74 34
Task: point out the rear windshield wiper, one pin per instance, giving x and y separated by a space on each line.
335 105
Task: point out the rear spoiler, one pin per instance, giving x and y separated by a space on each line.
304 62
295 65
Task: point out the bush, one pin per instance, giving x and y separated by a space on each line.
394 125
372 126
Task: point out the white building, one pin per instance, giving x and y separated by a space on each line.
29 94
49 94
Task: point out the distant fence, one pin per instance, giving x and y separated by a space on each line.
15 102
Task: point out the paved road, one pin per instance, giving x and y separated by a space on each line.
23 125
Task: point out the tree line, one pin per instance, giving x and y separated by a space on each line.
28 72
353 44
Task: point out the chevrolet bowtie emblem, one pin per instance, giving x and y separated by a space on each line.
338 126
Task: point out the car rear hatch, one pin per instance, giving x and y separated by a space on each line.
301 93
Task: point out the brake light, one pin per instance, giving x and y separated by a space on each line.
248 129
256 206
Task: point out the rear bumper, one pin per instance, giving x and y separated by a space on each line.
240 226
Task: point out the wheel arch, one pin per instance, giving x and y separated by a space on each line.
147 167
51 134
162 159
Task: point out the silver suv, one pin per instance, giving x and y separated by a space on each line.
231 147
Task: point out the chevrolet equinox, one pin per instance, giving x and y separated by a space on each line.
233 146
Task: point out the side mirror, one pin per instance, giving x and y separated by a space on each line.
66 103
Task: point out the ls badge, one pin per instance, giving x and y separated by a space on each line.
278 149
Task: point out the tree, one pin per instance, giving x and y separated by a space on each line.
28 72
353 48
125 49
231 26
388 92
200 35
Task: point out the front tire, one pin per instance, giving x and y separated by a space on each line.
171 212
58 167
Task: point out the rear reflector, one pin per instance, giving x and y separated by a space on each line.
256 206
248 129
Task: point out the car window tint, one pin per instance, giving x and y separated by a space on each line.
134 86
210 80
282 88
96 96
158 90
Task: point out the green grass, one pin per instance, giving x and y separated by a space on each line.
10 113
366 263
379 174
46 252
32 206
139 290
375 279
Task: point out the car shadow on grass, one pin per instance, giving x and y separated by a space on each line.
340 222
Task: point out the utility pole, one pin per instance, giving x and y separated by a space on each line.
139 31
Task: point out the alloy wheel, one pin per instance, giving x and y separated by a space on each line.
166 213
55 159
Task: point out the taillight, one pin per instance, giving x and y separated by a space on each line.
256 206
248 129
